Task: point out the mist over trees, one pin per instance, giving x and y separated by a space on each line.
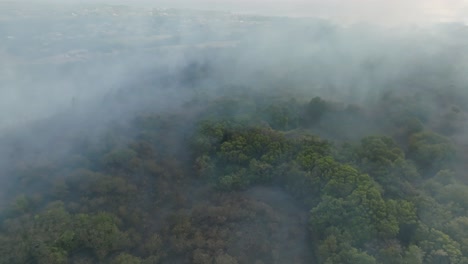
152 135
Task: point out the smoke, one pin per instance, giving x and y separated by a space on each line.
75 69
57 57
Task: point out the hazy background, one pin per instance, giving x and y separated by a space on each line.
61 55
375 11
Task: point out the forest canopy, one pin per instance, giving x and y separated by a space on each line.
236 184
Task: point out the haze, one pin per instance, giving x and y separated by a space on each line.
233 132
371 11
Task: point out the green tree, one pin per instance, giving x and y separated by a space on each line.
430 151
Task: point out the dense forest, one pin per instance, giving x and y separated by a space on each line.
250 178
154 135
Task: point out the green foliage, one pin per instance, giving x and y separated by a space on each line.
125 258
235 181
376 155
335 249
311 151
409 126
315 109
379 150
362 212
120 159
413 254
445 177
262 172
210 135
246 186
430 151
439 247
236 150
22 204
283 115
384 161
55 233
